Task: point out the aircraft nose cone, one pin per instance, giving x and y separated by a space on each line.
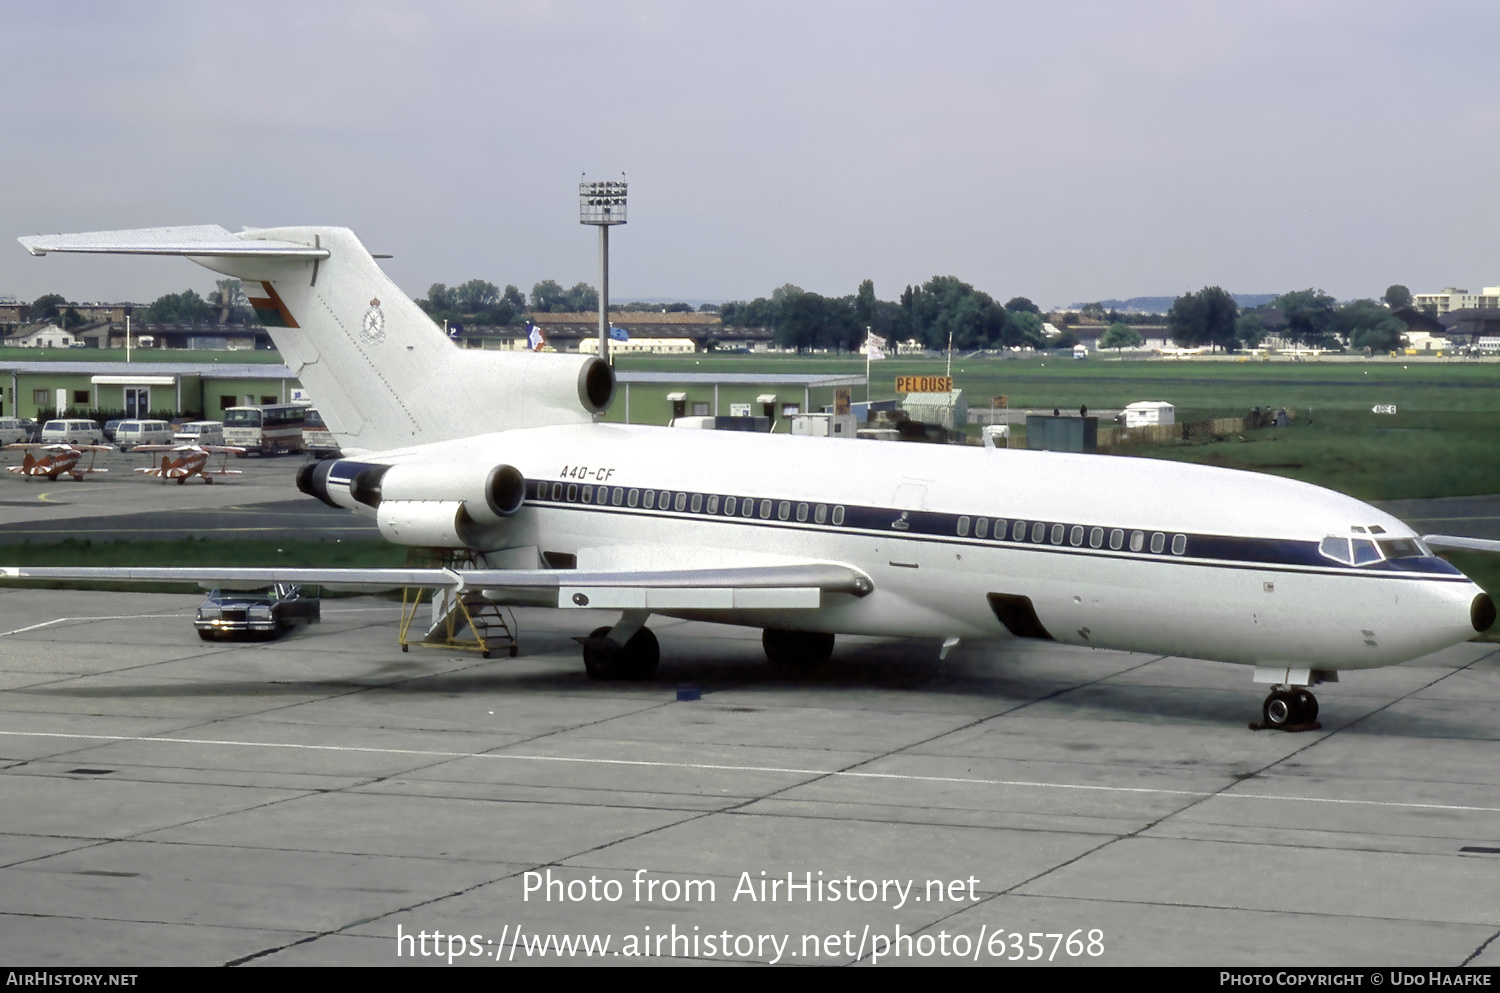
1482 612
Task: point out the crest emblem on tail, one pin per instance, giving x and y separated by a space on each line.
372 328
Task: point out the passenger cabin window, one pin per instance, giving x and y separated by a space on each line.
982 528
747 507
838 515
1018 531
1038 531
604 496
784 510
618 496
765 510
1158 543
557 491
1116 539
648 499
679 502
820 513
1096 538
1075 537
588 494
1000 527
1057 534
713 504
963 527
801 512
1179 544
1137 540
697 503
633 498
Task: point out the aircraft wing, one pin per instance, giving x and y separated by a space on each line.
1460 543
799 586
203 240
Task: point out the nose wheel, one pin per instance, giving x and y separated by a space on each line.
1289 709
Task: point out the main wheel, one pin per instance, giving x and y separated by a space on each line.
1280 709
796 649
636 659
1306 706
641 656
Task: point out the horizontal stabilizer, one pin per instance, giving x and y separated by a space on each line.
202 240
754 586
1460 543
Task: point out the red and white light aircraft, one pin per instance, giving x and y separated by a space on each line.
62 460
193 461
805 538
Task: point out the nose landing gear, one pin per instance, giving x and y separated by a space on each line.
1289 709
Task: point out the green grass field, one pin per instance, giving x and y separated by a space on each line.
1442 441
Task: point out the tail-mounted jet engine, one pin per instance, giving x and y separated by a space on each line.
424 504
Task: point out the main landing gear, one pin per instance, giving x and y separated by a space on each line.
796 649
606 658
1289 709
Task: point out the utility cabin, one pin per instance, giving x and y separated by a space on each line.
825 425
1149 413
949 410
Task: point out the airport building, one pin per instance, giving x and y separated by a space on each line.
1451 299
200 389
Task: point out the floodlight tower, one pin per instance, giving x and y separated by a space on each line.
602 205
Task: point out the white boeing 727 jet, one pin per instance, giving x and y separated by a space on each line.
501 455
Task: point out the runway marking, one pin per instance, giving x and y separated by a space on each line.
703 766
169 617
121 617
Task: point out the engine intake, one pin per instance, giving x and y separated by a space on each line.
421 503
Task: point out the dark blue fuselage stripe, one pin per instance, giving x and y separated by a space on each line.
1201 550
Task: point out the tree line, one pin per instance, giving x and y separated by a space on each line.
1308 317
481 302
942 309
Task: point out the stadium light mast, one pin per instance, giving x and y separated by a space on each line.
602 204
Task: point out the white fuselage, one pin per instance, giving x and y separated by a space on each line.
1235 575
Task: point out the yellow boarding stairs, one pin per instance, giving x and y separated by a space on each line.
452 616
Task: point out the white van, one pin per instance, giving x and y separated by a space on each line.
200 433
12 431
131 434
61 432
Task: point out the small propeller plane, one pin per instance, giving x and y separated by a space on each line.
193 461
64 459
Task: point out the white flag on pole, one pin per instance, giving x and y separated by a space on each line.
874 347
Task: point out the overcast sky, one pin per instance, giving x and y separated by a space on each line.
1060 151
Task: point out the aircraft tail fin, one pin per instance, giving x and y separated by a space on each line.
28 463
381 373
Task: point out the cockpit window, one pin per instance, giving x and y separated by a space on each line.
1336 547
1403 548
1351 551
